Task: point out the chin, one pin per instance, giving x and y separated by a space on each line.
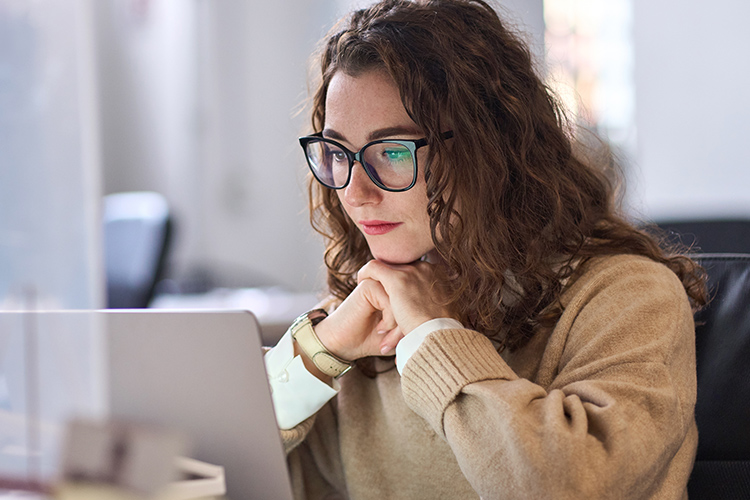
396 258
395 261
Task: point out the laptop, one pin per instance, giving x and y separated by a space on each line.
199 372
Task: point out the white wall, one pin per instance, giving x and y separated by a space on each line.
253 80
692 108
198 103
529 16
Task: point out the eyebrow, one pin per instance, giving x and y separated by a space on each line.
381 133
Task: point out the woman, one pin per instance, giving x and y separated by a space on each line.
544 348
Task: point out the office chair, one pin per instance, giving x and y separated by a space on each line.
709 235
722 467
137 231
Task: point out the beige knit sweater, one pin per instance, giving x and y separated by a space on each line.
600 407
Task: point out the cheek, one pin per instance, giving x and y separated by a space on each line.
342 203
417 202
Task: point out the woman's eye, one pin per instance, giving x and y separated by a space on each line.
395 155
335 154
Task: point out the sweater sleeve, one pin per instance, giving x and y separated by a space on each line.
610 414
314 459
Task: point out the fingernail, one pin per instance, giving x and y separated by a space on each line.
382 332
385 349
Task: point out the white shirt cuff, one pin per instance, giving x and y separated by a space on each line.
297 394
409 344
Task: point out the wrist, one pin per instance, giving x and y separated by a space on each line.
310 366
327 338
307 342
414 323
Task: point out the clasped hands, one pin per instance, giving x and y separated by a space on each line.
389 302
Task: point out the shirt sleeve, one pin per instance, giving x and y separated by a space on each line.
409 344
297 394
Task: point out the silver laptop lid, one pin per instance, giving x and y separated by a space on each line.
200 372
203 373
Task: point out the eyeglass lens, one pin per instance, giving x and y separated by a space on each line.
389 163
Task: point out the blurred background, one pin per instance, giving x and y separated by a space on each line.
200 102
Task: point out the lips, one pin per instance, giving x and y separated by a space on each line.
378 227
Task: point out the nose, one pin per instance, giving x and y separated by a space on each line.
361 190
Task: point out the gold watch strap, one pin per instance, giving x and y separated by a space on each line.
310 344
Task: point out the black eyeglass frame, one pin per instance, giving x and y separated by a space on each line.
411 144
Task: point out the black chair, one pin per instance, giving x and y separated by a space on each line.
722 467
709 235
137 231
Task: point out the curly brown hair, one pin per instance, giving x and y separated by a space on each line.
510 194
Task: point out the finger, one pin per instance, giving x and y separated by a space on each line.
374 292
394 336
382 328
387 322
395 277
391 340
373 270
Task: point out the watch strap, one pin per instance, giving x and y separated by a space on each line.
304 333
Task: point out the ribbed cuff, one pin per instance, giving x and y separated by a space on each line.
409 344
446 362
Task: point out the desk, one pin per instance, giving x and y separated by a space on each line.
274 307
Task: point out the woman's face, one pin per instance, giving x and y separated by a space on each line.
359 110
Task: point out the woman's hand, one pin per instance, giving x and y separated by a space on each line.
413 296
388 302
357 327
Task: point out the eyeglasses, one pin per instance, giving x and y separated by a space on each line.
391 164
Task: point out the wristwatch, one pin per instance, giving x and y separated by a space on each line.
310 344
